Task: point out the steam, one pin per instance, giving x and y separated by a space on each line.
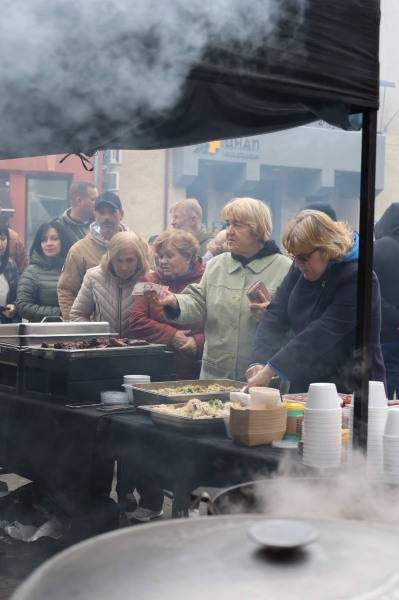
348 494
116 60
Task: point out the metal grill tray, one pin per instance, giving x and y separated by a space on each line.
183 422
52 352
145 394
31 334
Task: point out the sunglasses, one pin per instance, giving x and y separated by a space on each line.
303 258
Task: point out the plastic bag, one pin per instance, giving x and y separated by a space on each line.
36 524
30 533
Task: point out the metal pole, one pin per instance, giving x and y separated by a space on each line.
365 272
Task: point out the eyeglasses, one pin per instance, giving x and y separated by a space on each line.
303 258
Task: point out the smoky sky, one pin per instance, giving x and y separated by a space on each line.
66 60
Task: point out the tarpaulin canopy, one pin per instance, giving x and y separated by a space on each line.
317 60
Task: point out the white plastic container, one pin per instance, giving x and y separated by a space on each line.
264 395
110 398
132 380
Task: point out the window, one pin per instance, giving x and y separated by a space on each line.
46 199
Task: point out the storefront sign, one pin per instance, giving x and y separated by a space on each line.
238 147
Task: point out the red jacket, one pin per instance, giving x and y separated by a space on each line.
148 323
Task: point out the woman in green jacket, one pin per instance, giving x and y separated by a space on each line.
37 287
221 296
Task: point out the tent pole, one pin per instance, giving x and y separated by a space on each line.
364 286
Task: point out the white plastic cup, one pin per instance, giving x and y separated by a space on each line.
392 424
132 380
264 395
323 396
377 396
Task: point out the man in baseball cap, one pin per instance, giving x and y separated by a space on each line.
87 253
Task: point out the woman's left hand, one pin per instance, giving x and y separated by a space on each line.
189 348
257 308
10 312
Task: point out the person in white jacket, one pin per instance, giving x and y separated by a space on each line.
106 291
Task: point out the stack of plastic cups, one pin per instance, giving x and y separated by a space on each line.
323 424
378 411
132 380
391 447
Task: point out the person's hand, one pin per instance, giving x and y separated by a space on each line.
168 299
258 376
180 338
252 371
190 347
10 312
257 308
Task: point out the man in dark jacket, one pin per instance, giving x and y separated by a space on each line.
80 216
386 266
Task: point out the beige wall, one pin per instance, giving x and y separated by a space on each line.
142 190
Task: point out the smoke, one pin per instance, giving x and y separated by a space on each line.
117 60
348 494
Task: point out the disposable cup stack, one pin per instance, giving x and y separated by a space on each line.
378 412
391 447
323 424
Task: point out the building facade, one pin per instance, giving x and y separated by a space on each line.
37 189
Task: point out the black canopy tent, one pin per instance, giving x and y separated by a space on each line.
319 61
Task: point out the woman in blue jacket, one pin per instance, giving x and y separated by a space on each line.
317 300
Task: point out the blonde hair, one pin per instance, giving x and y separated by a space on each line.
314 229
253 213
185 242
129 240
191 208
218 244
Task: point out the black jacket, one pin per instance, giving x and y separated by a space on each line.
322 314
75 229
12 275
386 266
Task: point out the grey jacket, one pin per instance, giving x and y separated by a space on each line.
107 298
221 299
37 289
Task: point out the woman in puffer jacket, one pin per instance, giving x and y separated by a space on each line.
37 288
106 291
179 266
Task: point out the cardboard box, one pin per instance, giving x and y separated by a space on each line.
258 439
258 425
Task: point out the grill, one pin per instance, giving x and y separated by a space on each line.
65 376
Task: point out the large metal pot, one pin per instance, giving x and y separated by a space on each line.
214 558
345 496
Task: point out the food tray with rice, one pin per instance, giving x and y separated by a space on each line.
196 414
171 392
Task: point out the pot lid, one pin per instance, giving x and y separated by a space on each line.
214 557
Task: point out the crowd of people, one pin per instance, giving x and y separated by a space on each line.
84 265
